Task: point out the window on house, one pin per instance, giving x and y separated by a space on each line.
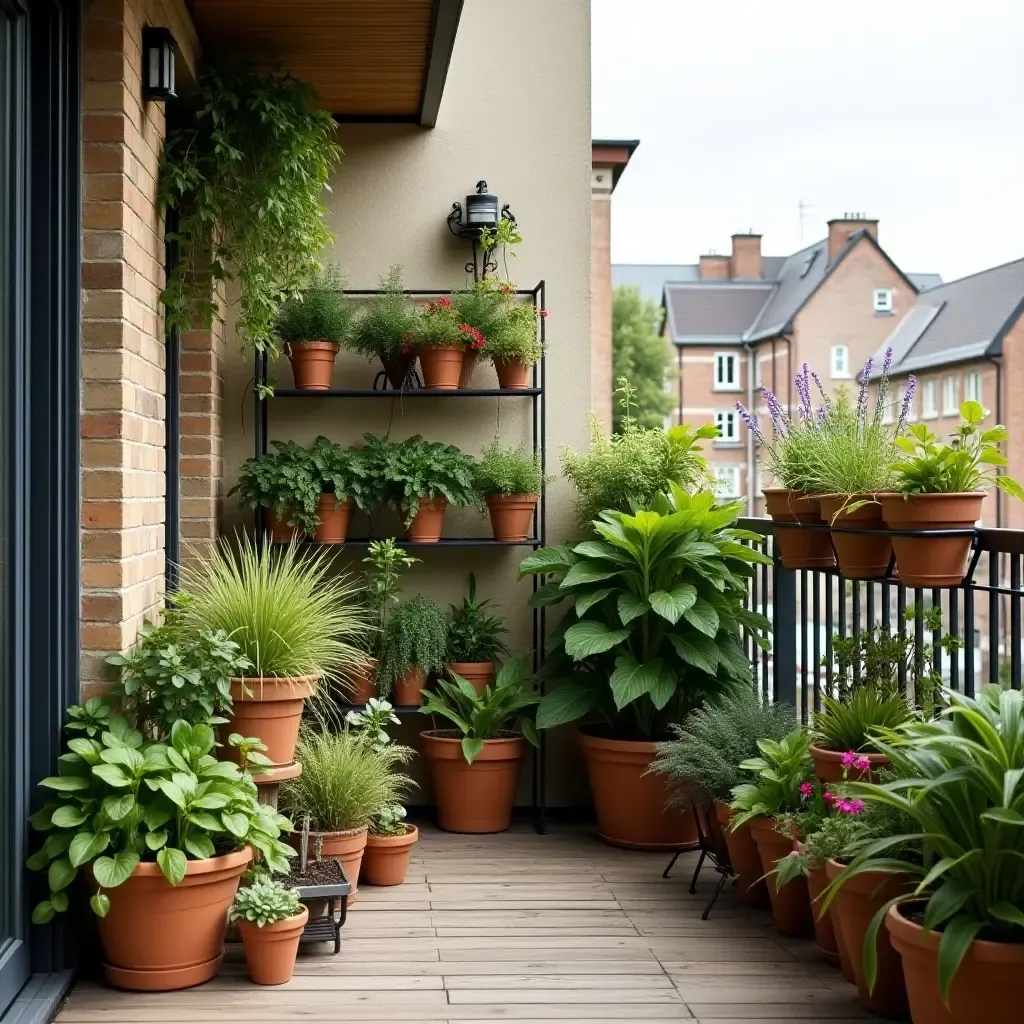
727 422
972 387
727 481
930 399
726 375
949 390
840 361
883 300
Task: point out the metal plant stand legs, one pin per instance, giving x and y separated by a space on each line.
710 850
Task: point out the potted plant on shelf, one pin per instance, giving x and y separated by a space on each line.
514 344
413 647
941 487
312 326
509 481
162 833
285 484
441 340
474 639
270 920
655 629
475 766
481 307
383 329
343 480
704 757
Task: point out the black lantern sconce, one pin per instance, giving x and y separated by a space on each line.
158 52
482 211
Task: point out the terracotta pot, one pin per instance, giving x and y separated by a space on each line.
511 515
428 522
408 691
272 711
313 364
856 902
746 861
479 674
334 517
441 366
932 561
386 860
279 530
791 904
469 361
987 989
828 765
633 807
824 932
477 797
798 549
861 556
397 368
513 373
346 846
363 682
159 937
270 951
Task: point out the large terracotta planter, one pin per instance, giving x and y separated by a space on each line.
469 361
346 846
386 860
513 373
791 903
828 766
479 674
159 937
987 989
861 556
745 860
334 516
441 366
511 515
632 805
397 368
855 904
408 691
272 710
279 530
313 364
270 951
824 932
798 549
932 561
428 522
477 797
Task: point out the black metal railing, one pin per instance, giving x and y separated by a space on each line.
809 607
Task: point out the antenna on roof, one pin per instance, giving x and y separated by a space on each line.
802 209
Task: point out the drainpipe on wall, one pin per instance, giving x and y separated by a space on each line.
679 378
751 475
997 362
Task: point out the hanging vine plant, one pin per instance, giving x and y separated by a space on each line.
246 177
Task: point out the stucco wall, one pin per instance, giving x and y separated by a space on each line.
523 124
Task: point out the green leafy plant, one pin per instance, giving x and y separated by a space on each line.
474 634
385 322
389 821
439 325
783 767
264 903
657 620
497 712
482 306
503 470
246 176
321 312
416 636
120 800
341 472
640 355
852 724
285 480
382 586
515 333
505 235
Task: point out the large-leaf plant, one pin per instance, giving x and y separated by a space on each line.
657 619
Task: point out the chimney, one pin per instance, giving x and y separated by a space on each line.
746 257
713 267
840 230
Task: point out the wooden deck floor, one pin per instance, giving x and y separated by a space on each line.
520 927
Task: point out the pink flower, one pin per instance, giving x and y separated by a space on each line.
849 758
851 806
862 764
806 788
828 797
794 853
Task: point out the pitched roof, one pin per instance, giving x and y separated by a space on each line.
707 313
651 278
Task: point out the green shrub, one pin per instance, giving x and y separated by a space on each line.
514 334
505 470
385 322
416 636
320 313
481 306
284 479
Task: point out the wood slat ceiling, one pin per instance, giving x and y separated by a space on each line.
365 58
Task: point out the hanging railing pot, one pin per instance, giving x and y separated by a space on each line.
745 859
386 858
334 517
511 515
270 708
791 903
513 373
828 765
798 549
312 364
427 524
865 554
441 365
932 561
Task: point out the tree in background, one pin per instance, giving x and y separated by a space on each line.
641 356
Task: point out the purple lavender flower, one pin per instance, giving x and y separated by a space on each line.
887 362
821 414
751 422
821 390
862 398
803 387
908 398
779 419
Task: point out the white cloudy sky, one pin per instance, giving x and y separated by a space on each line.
910 110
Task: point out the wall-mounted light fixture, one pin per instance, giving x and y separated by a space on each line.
158 52
482 210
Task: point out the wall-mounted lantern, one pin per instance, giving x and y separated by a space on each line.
482 210
158 52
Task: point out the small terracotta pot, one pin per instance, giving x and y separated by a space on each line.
477 797
363 682
828 765
408 691
270 951
988 988
441 366
272 712
511 515
397 368
791 903
334 517
824 933
932 561
632 806
159 937
313 364
513 373
386 860
798 549
279 530
856 902
428 522
861 556
479 674
469 361
347 846
746 861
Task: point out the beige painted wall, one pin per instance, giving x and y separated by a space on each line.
523 124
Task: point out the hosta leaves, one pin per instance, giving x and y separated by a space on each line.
236 823
586 572
585 639
558 559
702 616
567 703
586 601
208 821
116 807
112 775
547 594
673 603
630 607
697 650
632 680
200 846
65 784
154 840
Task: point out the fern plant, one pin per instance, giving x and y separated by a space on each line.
385 322
416 636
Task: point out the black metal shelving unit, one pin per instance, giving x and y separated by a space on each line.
536 394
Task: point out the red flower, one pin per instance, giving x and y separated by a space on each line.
544 314
405 350
444 302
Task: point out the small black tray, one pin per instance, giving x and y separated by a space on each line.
325 928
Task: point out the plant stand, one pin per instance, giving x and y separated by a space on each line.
712 848
326 928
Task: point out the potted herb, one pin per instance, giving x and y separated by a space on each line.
474 639
295 621
655 629
285 484
481 307
941 487
441 339
514 345
343 480
270 920
475 766
509 480
162 833
312 326
413 646
383 329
